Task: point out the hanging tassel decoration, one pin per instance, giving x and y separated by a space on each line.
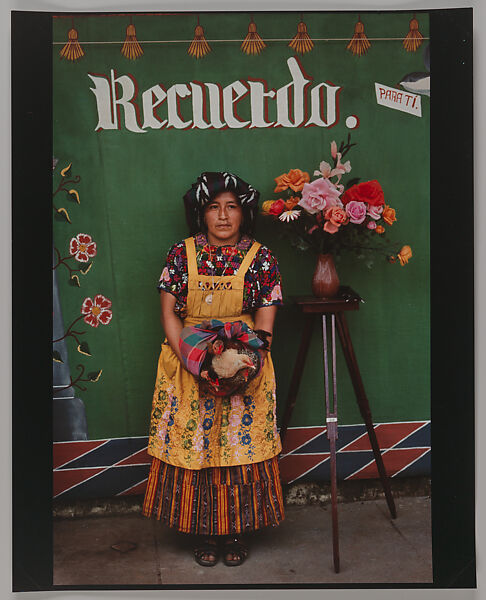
253 43
199 46
359 43
414 38
72 50
302 43
131 49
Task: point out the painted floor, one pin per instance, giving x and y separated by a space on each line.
373 549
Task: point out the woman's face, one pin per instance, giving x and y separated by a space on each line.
223 216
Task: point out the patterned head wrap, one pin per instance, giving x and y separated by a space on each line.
208 186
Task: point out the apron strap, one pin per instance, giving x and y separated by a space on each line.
191 259
250 255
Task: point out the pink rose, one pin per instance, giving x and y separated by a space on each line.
356 211
319 195
375 212
371 225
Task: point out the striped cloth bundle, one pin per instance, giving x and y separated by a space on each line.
194 340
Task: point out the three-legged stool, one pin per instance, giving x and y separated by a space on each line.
332 312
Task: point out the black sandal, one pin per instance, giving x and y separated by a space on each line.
209 547
235 546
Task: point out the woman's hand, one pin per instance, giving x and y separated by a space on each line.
170 322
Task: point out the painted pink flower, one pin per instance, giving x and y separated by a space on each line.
276 293
319 195
82 247
375 211
371 225
333 149
356 211
97 310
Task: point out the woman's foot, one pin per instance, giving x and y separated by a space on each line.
234 551
206 552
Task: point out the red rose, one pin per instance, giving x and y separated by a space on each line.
277 207
368 191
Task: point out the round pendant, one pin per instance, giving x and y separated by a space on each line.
209 299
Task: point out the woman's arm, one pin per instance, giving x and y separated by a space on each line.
170 321
264 319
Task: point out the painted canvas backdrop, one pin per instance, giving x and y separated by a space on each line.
130 203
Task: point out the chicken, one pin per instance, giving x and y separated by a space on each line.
229 362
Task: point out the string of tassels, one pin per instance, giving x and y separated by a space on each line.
301 42
131 49
359 43
72 50
253 43
199 46
414 38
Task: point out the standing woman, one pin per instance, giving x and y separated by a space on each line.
215 469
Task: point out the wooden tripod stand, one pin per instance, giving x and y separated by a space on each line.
332 313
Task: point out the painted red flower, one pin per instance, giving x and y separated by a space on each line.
82 247
97 310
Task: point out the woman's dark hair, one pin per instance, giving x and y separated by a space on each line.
208 186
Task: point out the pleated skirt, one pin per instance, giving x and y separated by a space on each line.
215 500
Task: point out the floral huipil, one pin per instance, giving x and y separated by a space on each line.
195 430
262 283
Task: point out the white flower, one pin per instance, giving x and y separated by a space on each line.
289 215
326 171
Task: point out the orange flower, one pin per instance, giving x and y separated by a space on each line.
292 202
380 229
389 215
294 179
335 217
266 207
404 255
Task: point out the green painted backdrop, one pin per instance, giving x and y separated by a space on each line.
131 188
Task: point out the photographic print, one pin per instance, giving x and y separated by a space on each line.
242 299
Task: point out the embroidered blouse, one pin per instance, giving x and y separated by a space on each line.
262 285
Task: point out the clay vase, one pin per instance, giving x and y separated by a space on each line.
325 282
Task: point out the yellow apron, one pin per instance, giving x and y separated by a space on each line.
194 430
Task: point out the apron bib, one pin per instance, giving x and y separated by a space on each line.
194 430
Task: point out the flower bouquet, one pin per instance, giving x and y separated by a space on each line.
329 215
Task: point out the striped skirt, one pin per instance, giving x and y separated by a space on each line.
215 500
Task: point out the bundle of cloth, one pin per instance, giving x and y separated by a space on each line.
223 356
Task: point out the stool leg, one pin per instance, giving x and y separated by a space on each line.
332 431
297 373
364 407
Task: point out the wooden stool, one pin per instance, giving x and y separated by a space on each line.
332 311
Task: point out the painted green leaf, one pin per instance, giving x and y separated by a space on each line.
56 357
94 375
74 281
83 348
66 170
74 196
62 215
84 270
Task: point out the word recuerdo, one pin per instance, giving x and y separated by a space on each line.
214 106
